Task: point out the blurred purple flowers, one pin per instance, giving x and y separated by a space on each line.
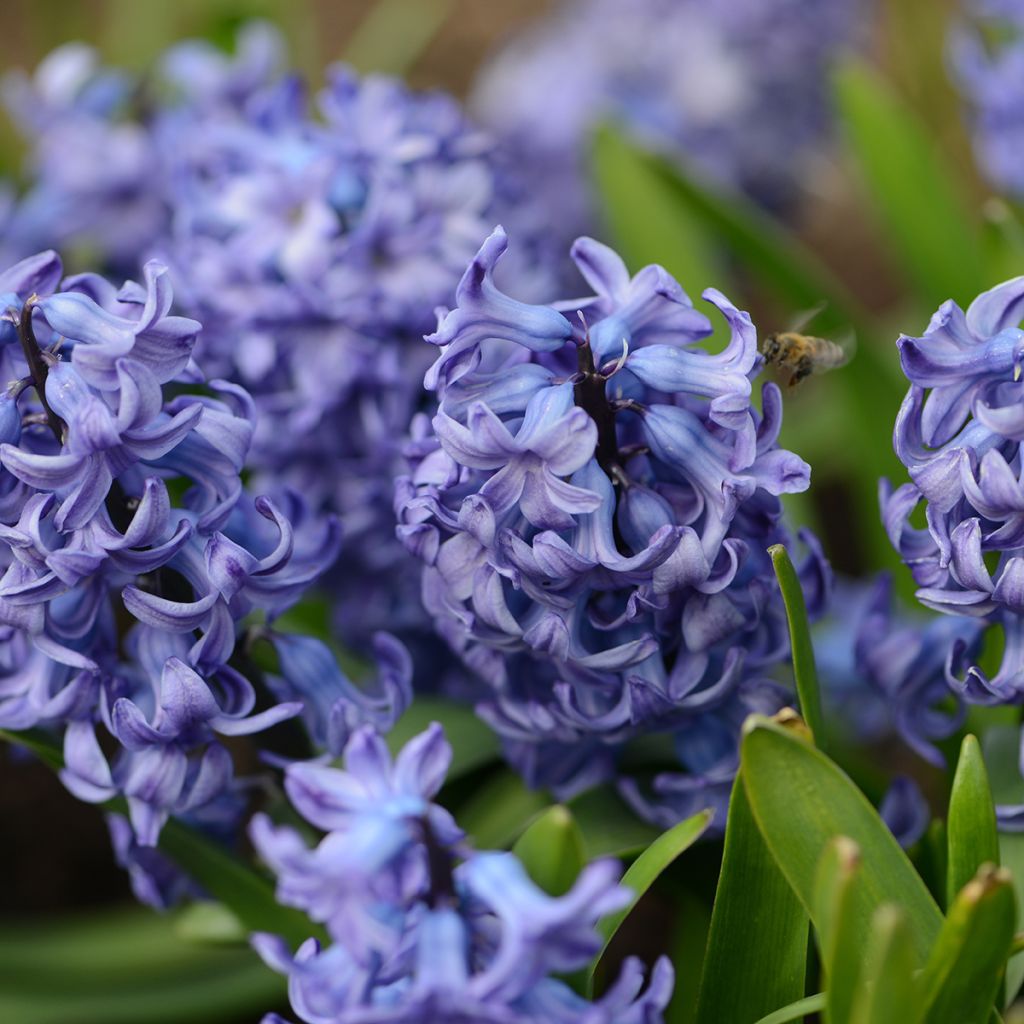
989 67
738 90
593 502
312 240
423 928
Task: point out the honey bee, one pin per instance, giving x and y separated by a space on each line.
801 355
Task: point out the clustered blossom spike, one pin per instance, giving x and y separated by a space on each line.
423 928
312 240
594 500
132 556
991 77
959 434
739 89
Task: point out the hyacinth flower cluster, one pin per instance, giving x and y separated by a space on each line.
98 175
959 434
313 241
738 89
594 500
421 926
135 564
988 60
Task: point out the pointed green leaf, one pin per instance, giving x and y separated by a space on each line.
805 670
551 850
1001 745
941 254
757 947
609 826
801 800
796 1011
973 839
962 975
646 869
647 223
888 993
835 884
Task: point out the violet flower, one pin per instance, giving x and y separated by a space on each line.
421 927
595 538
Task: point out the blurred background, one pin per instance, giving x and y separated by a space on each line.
55 859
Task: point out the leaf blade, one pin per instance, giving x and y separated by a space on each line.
645 870
805 670
757 945
972 835
801 800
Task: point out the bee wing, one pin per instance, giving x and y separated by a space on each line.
847 341
803 318
839 352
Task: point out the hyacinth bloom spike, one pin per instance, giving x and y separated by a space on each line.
959 434
584 529
123 606
421 926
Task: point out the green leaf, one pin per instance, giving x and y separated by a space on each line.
962 975
801 800
1001 745
760 242
932 860
973 839
248 894
1002 236
37 743
918 199
125 966
647 222
796 1011
804 669
691 924
835 893
888 994
609 826
551 850
394 33
474 743
209 924
645 871
757 946
500 810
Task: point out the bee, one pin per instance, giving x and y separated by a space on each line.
801 355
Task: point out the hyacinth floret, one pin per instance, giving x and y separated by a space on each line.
133 558
423 928
593 501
